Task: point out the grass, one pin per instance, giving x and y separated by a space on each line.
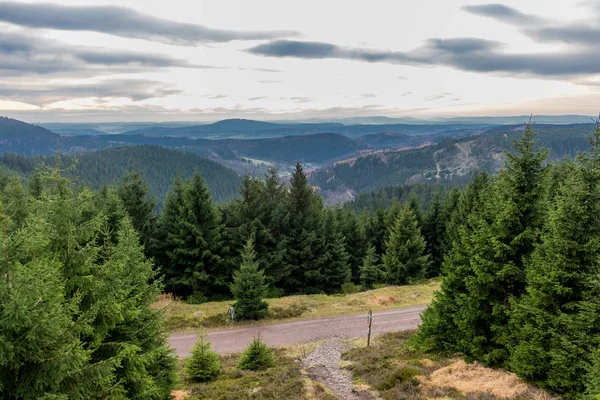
182 316
395 370
284 381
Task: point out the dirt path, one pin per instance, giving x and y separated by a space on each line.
463 150
322 365
347 326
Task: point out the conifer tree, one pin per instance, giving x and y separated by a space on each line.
376 231
335 268
192 231
305 245
354 239
404 259
486 271
434 232
257 356
593 378
249 287
370 273
133 192
557 323
203 365
415 207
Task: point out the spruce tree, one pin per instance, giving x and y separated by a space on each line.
95 335
335 268
557 323
306 248
404 259
133 192
192 230
249 287
593 378
203 365
354 239
370 273
376 231
257 356
434 232
486 268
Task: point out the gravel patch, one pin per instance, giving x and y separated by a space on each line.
323 365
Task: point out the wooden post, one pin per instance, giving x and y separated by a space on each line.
370 319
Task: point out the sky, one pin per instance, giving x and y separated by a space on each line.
194 60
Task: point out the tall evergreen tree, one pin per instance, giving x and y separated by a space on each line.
335 268
557 323
404 259
355 240
133 192
192 230
370 274
486 270
95 335
434 232
306 247
376 231
249 286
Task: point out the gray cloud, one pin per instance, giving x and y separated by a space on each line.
405 94
217 96
584 32
469 54
121 21
269 81
256 98
24 55
502 13
41 95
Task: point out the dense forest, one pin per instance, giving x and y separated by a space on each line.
518 254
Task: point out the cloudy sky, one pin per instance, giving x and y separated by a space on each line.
158 60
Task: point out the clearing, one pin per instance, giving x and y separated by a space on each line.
184 317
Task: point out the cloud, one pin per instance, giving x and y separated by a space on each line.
503 13
467 54
582 32
42 95
405 94
368 95
24 54
256 98
269 81
300 99
217 96
121 21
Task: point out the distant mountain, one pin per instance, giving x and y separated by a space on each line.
158 165
22 138
452 160
248 129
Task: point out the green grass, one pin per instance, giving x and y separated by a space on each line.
284 381
181 316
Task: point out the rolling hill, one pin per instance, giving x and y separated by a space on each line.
158 165
450 161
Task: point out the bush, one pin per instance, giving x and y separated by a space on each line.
402 375
350 288
257 356
204 364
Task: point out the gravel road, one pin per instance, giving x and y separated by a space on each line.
347 326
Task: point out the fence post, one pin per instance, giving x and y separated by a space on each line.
370 319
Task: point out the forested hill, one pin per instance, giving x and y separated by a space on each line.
159 167
450 161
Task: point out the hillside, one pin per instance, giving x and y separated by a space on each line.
159 167
22 138
450 161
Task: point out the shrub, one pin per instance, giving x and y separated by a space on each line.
204 364
350 288
402 375
257 356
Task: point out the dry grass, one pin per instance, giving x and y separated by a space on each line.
475 378
397 370
179 395
182 316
